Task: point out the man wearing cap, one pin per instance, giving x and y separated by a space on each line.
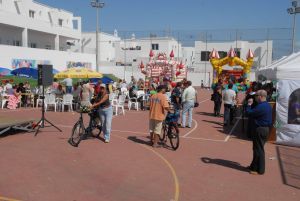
158 109
262 117
105 111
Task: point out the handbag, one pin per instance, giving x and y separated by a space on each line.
196 104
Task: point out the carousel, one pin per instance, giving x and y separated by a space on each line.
160 68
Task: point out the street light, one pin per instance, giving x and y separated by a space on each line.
96 4
293 11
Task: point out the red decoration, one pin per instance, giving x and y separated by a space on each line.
172 54
151 54
181 65
173 84
178 73
142 65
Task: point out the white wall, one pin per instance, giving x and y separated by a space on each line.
58 59
16 13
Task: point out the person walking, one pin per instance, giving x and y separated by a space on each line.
262 116
158 108
229 97
188 101
217 98
105 111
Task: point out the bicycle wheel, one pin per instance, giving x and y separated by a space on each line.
162 136
77 133
96 128
173 135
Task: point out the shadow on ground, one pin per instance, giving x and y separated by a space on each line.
224 163
205 114
289 163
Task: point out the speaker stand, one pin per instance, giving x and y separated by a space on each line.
41 122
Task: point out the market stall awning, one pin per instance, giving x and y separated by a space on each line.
78 73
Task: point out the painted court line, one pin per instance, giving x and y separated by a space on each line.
205 139
7 199
231 131
195 127
172 170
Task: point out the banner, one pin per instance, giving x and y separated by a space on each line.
27 63
288 112
72 64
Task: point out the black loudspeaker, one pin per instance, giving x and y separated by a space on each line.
45 75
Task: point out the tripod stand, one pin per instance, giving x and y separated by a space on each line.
41 122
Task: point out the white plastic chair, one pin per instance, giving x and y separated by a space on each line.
132 101
67 100
4 100
120 104
50 100
39 100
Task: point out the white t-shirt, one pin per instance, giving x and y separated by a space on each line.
68 81
229 96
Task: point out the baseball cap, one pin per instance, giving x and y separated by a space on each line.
103 85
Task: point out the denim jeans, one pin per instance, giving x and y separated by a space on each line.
187 107
69 89
106 119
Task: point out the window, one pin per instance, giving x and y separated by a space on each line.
33 45
222 54
16 43
205 55
48 47
31 13
60 22
238 52
138 48
154 46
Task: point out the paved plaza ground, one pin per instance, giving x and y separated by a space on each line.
209 164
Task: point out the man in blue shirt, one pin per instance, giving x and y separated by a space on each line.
262 117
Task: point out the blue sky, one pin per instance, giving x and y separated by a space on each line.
180 14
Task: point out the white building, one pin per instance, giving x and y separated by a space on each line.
27 27
107 46
197 58
133 51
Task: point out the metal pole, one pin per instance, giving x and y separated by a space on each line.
205 58
267 46
124 55
294 30
97 41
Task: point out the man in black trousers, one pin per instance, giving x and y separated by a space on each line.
262 117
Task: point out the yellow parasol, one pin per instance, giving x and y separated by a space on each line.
78 73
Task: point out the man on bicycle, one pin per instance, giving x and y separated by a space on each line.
159 107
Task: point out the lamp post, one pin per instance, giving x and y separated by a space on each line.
293 11
96 4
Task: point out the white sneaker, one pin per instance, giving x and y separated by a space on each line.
106 141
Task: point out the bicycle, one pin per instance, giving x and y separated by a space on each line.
79 132
170 130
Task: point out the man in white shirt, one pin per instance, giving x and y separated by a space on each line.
69 84
188 101
229 96
7 87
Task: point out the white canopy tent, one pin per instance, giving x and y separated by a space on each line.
287 72
286 68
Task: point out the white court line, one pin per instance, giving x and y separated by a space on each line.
231 131
196 126
205 139
196 123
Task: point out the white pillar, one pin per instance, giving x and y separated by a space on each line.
25 37
56 46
